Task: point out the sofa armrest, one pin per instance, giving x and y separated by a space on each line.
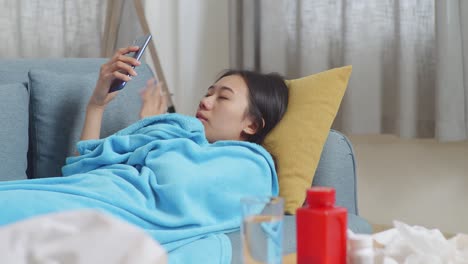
337 169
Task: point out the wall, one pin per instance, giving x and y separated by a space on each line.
192 41
420 182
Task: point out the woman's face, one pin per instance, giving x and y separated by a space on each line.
223 111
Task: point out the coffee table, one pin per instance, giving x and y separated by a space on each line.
289 259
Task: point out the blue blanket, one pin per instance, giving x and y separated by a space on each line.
160 174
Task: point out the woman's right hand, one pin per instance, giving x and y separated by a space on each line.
115 68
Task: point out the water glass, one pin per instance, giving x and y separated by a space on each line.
262 229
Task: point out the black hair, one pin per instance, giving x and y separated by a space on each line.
268 100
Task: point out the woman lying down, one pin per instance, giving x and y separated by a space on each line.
179 178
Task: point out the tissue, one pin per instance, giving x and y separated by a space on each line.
78 237
406 244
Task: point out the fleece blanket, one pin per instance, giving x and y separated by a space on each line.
160 174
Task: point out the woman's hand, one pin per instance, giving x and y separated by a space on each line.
154 100
116 68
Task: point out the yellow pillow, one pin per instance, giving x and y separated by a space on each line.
297 141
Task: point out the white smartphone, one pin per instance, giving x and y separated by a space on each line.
141 42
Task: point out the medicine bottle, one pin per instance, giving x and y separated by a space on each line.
361 249
321 229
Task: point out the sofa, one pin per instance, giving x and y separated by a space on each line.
43 103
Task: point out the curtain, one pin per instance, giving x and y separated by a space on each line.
410 58
62 28
51 28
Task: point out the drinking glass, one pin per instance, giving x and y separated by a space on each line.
262 229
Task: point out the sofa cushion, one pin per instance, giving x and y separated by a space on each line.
58 106
14 99
298 139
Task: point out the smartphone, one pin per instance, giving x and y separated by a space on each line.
141 42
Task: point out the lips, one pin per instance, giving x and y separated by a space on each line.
201 117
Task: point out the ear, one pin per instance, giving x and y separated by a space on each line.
252 127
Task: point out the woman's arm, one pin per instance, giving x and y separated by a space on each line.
113 69
92 125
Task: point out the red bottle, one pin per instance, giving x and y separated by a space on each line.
321 229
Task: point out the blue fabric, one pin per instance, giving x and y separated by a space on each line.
160 174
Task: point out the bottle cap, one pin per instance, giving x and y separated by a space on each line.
321 196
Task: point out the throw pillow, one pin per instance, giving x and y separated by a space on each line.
297 141
14 99
58 107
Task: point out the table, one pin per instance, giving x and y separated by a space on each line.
289 259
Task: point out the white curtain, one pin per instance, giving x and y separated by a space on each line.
60 28
410 58
51 28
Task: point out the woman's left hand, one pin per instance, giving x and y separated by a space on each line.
154 100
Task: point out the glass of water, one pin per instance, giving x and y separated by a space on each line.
262 230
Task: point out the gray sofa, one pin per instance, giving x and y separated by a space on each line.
43 102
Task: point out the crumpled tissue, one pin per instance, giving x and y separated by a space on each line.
418 245
78 237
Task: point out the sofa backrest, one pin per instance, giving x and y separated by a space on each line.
59 90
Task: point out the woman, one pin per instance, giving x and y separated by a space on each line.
180 178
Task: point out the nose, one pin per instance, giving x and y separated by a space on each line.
206 103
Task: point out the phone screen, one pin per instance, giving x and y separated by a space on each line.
141 42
